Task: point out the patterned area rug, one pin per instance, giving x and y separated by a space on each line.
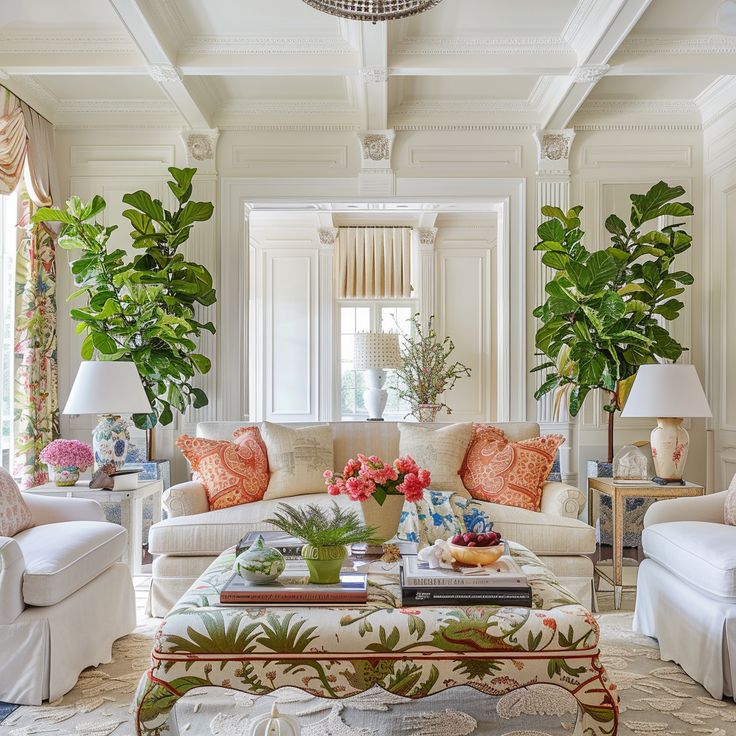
657 698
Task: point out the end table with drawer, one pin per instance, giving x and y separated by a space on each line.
131 510
618 493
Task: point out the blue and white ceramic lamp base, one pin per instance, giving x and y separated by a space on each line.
110 441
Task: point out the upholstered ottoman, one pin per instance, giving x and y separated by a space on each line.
336 652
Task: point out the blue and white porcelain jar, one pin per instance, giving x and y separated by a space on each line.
110 441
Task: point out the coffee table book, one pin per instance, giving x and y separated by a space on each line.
352 589
505 572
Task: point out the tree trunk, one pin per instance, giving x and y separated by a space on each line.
611 417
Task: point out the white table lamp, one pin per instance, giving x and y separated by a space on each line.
373 352
668 392
108 388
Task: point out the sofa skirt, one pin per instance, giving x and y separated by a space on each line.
694 630
45 648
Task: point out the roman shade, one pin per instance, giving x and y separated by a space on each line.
373 262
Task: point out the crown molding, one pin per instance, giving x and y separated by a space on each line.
458 107
464 127
228 45
66 43
677 44
235 125
641 127
115 106
717 100
649 107
482 46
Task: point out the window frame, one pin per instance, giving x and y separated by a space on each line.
376 307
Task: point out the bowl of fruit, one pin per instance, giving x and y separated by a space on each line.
473 548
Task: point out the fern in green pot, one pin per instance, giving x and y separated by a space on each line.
609 310
145 309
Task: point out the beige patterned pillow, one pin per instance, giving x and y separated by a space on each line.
729 506
15 516
297 459
439 449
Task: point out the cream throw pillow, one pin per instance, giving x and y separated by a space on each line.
729 506
15 516
441 450
297 459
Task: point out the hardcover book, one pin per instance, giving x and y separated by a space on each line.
444 595
352 589
503 573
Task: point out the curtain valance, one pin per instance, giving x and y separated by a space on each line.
373 262
26 144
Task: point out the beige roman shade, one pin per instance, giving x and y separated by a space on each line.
373 262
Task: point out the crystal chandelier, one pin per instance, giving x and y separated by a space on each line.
373 10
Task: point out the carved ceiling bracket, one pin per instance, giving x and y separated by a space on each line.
327 237
589 74
553 150
201 145
427 236
376 177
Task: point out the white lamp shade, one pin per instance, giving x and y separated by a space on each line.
376 350
667 390
107 387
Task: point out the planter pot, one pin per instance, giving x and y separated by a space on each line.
427 412
64 475
324 563
384 517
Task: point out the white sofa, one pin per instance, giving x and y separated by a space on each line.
64 598
187 541
686 588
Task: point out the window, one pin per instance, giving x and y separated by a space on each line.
369 316
8 244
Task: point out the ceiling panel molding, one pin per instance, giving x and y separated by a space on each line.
678 44
45 42
290 156
482 46
427 156
717 100
265 45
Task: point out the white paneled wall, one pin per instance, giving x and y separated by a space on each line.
274 309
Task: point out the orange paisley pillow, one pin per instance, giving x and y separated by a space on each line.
508 473
231 473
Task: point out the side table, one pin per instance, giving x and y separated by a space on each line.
131 510
618 493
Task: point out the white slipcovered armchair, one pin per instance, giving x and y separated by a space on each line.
64 598
686 589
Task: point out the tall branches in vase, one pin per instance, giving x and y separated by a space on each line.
427 372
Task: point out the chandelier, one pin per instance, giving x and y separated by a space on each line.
373 10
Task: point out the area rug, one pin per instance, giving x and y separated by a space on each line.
656 698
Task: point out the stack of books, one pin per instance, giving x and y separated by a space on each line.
290 590
500 584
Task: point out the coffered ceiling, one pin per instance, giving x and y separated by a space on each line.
279 64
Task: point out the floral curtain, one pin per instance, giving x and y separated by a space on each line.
36 399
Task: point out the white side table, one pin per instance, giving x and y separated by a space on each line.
131 510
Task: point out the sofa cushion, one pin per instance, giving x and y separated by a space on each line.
729 505
232 473
15 516
440 449
699 552
62 558
509 473
215 531
544 534
297 459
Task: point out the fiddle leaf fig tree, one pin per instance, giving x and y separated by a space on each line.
604 312
142 309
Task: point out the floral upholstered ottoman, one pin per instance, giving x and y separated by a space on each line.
336 652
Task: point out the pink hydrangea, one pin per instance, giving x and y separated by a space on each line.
406 465
360 488
412 488
68 453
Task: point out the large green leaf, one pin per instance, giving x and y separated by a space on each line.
551 230
145 203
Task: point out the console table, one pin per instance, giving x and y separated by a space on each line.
131 510
619 492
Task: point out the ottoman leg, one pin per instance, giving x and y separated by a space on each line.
154 708
597 705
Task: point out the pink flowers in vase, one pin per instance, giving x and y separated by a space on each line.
68 453
367 477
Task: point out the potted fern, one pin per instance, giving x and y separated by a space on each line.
326 532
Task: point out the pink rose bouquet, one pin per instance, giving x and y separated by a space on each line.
365 477
68 453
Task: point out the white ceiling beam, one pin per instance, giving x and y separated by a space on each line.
159 51
595 32
374 73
